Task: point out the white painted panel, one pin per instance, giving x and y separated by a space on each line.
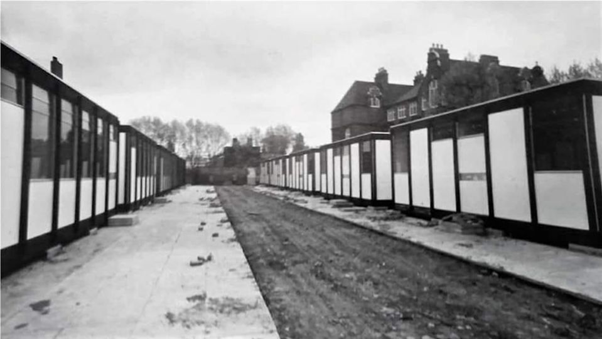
323 183
11 168
100 195
509 165
113 157
329 171
310 182
85 203
317 171
305 174
383 170
402 188
444 187
112 188
561 200
121 173
420 168
471 162
346 176
471 154
66 202
337 175
355 170
139 188
39 220
132 197
473 197
597 105
366 186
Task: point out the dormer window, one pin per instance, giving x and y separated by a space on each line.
391 114
374 95
424 105
433 100
374 102
413 108
401 112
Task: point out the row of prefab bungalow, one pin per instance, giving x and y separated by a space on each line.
529 164
67 164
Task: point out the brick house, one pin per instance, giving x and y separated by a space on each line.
361 108
427 96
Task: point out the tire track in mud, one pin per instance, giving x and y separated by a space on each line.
326 278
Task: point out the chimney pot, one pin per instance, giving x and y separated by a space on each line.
56 67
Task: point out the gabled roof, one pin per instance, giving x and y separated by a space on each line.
411 94
357 94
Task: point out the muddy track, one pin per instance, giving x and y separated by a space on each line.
326 278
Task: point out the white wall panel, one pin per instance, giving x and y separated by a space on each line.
509 165
39 220
420 168
112 188
323 185
139 188
317 171
66 202
444 187
85 203
100 195
366 186
355 170
346 175
473 174
597 105
121 173
473 197
113 157
305 174
561 200
310 182
337 175
402 188
329 169
132 197
383 170
11 169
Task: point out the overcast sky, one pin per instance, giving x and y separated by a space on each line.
260 64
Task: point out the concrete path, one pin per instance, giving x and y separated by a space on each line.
136 282
571 272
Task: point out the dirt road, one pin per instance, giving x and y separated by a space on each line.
325 278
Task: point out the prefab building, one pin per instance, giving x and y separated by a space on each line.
304 170
59 161
358 169
529 163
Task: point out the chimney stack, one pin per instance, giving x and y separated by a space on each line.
56 67
381 79
418 78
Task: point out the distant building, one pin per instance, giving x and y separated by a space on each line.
427 96
361 108
239 155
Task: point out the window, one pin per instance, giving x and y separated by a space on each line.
87 145
347 133
433 99
112 133
374 102
323 162
68 140
471 124
413 108
42 134
12 87
400 152
101 149
558 134
391 114
401 112
443 131
366 157
310 163
424 106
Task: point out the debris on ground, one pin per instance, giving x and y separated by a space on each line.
215 205
201 228
224 220
203 223
463 223
215 235
210 190
201 260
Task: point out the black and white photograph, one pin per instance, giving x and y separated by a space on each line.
301 169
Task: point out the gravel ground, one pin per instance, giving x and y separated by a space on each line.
326 278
